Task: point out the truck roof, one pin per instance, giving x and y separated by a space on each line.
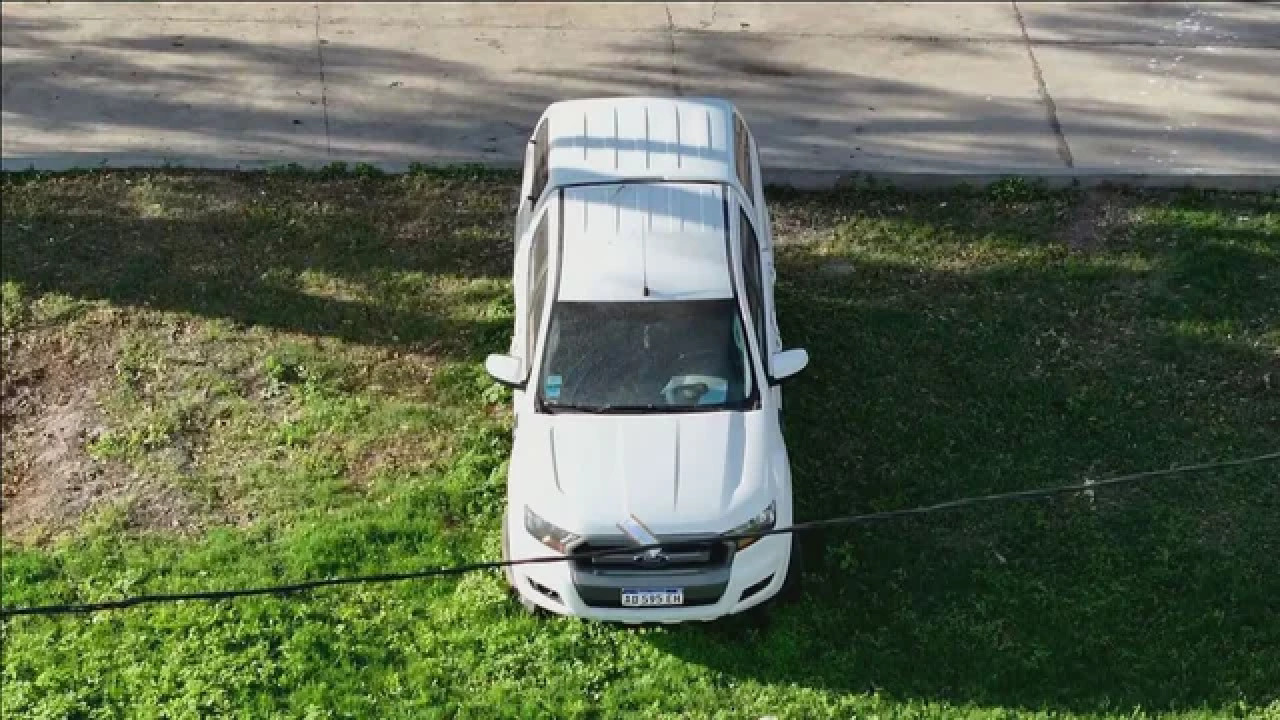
608 139
644 241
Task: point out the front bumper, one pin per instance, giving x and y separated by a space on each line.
746 579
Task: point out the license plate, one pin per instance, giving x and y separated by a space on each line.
652 598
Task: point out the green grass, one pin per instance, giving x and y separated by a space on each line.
296 358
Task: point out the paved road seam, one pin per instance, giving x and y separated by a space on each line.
671 48
1051 109
324 85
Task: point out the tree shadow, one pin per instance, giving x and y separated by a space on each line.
931 380
383 253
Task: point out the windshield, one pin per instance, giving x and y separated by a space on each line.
655 356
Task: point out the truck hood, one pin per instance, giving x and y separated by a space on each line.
684 473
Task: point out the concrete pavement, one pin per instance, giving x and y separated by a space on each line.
1167 90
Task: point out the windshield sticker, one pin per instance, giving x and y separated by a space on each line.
551 388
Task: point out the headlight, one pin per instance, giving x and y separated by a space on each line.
556 538
760 523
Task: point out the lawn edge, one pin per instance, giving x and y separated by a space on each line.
799 178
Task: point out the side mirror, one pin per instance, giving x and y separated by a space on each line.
506 369
784 364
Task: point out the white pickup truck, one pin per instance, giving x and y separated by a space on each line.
645 365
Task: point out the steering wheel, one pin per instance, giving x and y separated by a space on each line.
687 394
691 367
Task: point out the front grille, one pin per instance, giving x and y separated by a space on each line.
672 556
698 566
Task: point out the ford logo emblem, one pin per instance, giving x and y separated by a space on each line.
653 558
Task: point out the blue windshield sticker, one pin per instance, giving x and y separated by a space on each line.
551 388
718 394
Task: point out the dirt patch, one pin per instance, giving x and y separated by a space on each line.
49 479
159 507
1094 219
50 414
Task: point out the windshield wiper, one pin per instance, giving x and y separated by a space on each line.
635 409
554 408
650 409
